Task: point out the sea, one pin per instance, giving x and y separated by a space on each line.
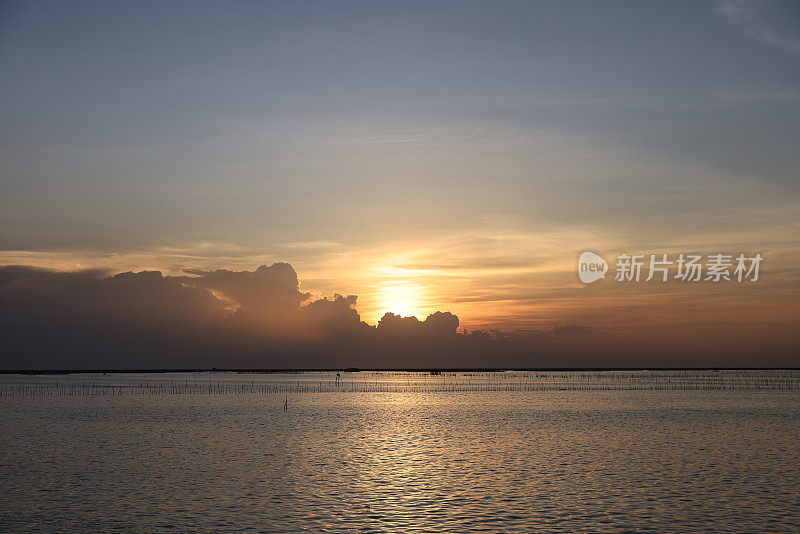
393 451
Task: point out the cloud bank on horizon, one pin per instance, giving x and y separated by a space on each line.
261 319
222 318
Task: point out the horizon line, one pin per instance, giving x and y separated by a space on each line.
373 369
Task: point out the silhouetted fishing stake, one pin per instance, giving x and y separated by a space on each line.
286 403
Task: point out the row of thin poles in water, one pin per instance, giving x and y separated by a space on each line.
578 381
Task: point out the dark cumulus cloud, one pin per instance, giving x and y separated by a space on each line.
222 318
261 320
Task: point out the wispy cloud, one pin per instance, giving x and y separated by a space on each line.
313 245
750 19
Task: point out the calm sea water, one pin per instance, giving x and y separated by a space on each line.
401 452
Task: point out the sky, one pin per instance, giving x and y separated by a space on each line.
423 156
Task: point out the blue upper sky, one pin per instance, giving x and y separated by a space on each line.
126 125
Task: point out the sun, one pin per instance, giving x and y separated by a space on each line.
400 297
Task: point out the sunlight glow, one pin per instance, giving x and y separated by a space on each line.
400 297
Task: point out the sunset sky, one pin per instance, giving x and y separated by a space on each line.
424 156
